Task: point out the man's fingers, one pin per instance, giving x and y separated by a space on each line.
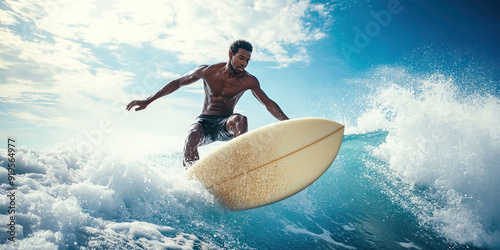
131 104
141 105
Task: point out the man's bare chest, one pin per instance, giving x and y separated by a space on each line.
219 86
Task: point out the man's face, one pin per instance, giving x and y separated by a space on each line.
239 61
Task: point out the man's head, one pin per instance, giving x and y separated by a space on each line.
240 52
240 44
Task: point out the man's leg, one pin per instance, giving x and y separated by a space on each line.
237 125
193 140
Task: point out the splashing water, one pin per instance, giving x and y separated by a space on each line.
419 171
442 152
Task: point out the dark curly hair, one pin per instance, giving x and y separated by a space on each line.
236 45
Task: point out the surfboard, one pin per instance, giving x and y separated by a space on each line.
269 164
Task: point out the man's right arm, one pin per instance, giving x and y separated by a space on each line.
170 87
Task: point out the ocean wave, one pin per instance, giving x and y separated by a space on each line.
446 142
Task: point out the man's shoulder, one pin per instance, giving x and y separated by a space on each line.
251 79
208 68
214 66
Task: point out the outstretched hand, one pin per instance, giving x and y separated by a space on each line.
141 103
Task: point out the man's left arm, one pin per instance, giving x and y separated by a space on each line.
271 106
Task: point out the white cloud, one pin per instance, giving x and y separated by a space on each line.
167 75
276 29
64 62
52 83
53 76
197 31
196 87
7 17
41 121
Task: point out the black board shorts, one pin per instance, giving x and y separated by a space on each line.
214 127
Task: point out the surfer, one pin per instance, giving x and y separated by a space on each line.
224 84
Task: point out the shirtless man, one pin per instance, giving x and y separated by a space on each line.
224 84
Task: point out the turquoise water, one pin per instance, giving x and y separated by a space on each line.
418 170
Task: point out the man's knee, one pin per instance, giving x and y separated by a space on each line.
239 118
237 124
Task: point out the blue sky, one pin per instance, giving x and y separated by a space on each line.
68 68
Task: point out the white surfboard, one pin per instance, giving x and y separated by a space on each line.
270 163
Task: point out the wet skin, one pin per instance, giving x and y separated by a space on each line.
224 84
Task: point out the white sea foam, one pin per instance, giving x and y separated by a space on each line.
409 245
447 143
442 149
325 236
67 198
